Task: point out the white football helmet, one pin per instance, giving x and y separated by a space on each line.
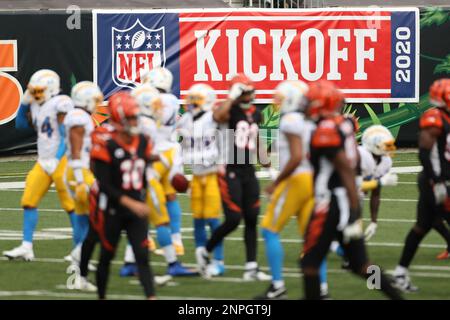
160 78
43 85
291 96
148 99
201 95
378 140
86 95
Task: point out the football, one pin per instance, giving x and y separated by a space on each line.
138 39
180 183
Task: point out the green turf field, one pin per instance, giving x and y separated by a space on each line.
46 277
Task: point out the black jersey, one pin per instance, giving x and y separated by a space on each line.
440 153
242 135
120 168
331 136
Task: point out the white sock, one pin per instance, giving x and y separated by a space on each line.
129 254
76 252
27 245
251 265
176 239
278 284
399 271
334 246
170 254
323 288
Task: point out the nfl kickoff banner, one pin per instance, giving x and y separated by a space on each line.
372 55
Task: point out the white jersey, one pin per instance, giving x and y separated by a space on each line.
295 123
147 126
45 121
370 169
199 142
165 136
79 118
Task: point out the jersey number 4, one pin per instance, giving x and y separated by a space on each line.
47 127
132 174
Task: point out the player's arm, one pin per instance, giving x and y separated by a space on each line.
76 135
62 135
347 174
427 138
295 149
23 118
222 113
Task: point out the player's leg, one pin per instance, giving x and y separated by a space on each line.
158 217
66 200
359 264
164 171
81 216
231 195
109 229
320 232
36 185
425 216
211 212
137 231
250 212
200 236
275 217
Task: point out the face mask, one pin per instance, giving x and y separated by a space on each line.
133 130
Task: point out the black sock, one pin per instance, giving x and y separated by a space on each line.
146 279
412 242
312 287
388 289
86 251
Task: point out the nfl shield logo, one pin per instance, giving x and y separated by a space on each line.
136 50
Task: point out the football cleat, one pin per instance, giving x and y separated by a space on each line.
403 282
202 257
443 255
129 270
256 275
162 280
273 294
83 284
178 270
20 252
215 269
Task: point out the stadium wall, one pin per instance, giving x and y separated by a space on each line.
32 40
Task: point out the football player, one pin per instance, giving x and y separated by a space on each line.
151 112
374 168
44 109
167 147
433 181
119 167
291 193
336 212
239 187
79 126
200 149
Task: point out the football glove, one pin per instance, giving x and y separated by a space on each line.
370 231
353 231
237 90
27 98
440 192
389 179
